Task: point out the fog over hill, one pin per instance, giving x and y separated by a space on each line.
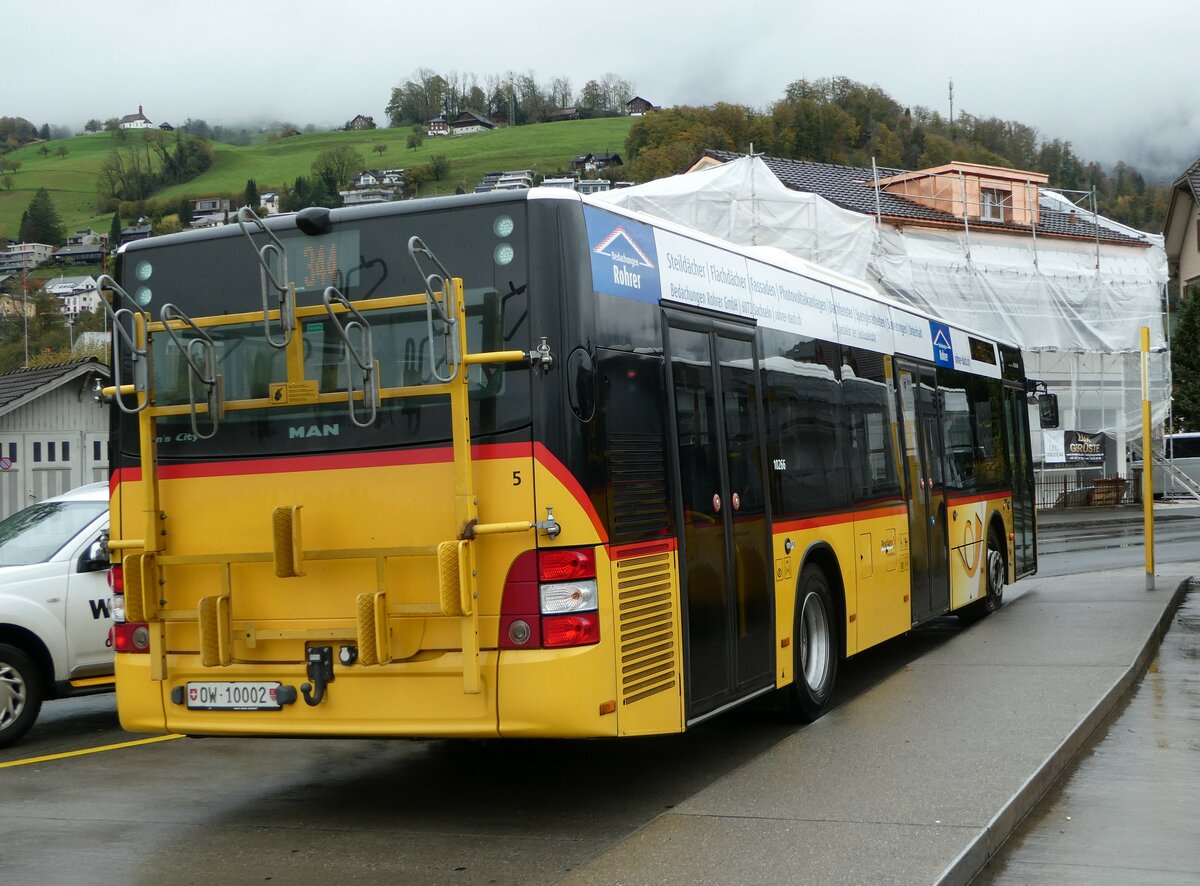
1105 78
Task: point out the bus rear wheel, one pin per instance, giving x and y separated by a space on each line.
815 647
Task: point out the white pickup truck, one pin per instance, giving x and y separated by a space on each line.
55 608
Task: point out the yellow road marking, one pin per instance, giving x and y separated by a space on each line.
86 751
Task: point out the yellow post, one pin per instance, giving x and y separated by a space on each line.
1147 462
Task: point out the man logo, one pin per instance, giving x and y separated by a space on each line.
296 432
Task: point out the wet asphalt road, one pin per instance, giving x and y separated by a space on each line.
240 811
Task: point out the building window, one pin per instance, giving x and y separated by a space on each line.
995 205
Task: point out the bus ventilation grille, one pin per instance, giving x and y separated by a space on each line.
646 627
639 488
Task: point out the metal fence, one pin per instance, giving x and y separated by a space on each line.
1082 489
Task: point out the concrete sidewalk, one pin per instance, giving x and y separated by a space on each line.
922 777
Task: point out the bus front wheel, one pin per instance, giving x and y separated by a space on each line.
815 646
996 572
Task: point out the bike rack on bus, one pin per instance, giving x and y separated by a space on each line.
140 357
445 314
207 376
366 364
285 292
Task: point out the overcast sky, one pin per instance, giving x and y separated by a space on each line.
1112 78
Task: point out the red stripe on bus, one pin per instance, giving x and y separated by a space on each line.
388 458
560 473
971 499
303 463
840 517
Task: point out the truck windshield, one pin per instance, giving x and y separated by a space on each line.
37 533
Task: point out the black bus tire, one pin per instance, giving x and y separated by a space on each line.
20 694
995 571
815 646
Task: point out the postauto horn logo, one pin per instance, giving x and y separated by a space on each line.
623 256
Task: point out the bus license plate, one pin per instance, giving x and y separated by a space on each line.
232 696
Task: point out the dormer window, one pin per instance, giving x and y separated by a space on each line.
995 204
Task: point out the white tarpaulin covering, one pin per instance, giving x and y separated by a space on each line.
1045 293
1075 307
744 203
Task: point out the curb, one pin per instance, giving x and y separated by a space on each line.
987 842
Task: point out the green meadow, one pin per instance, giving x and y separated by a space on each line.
545 148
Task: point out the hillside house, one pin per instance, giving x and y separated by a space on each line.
24 257
84 237
637 106
359 123
595 161
82 254
438 125
139 231
135 121
53 434
1182 229
468 122
76 294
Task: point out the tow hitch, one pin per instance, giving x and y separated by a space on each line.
320 672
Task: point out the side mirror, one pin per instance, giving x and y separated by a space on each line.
1048 410
95 558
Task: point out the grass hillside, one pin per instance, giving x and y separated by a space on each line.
71 180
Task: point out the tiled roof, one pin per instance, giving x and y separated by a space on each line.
1192 177
21 383
847 187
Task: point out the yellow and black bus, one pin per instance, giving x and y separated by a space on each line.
523 464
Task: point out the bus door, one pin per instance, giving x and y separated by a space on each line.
724 550
1020 462
928 541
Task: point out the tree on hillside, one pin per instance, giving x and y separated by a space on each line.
62 151
1185 364
334 168
251 194
41 223
44 132
93 125
439 166
379 149
114 232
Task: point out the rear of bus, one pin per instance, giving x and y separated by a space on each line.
297 559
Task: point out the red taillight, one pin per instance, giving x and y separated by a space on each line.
520 620
130 637
116 579
581 629
550 581
565 564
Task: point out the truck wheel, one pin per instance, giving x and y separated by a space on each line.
815 643
20 694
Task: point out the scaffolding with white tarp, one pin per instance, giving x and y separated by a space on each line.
1074 304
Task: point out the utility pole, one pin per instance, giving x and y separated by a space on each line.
25 303
952 106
